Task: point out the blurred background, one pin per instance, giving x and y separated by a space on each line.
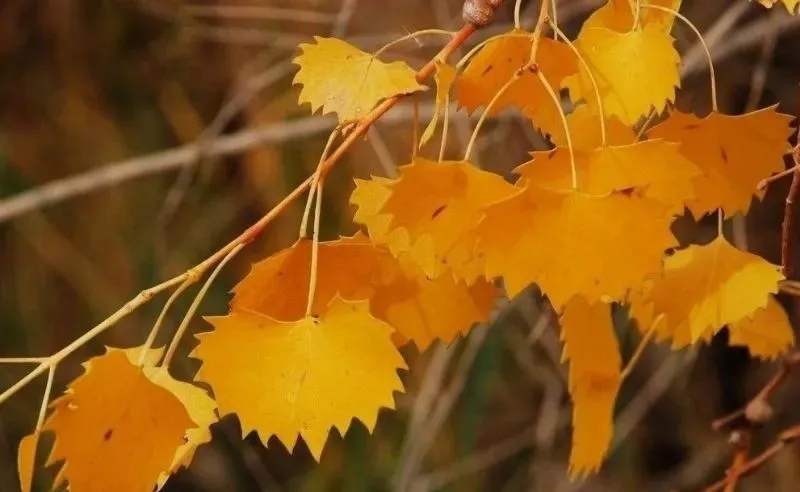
137 137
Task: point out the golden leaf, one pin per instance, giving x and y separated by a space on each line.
301 378
26 459
635 71
791 5
595 376
655 167
734 153
115 428
341 79
421 309
618 15
424 310
584 129
703 289
767 333
498 61
444 77
434 209
574 243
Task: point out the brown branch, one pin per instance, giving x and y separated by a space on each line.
786 437
753 412
253 231
788 236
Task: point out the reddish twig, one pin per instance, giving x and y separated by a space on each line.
748 467
755 411
788 239
740 440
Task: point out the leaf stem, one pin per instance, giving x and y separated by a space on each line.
640 348
711 72
517 14
637 14
445 127
413 36
415 128
151 338
474 137
315 179
592 79
251 232
312 283
22 360
195 304
570 148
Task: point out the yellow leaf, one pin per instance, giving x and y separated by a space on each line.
584 129
341 79
444 77
498 61
421 309
766 333
618 15
635 71
791 5
574 243
424 310
115 428
734 153
655 167
434 209
26 459
301 378
706 287
202 410
594 379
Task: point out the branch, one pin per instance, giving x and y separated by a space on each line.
253 231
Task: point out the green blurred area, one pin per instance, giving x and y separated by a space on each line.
87 84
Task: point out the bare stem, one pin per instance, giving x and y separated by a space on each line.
696 31
195 304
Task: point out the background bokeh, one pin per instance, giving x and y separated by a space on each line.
103 102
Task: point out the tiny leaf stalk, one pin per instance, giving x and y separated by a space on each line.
173 346
560 34
312 283
151 338
145 296
316 177
711 72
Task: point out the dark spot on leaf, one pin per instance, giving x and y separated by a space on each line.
691 126
108 434
438 211
723 154
487 69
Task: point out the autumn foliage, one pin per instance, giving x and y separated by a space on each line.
312 337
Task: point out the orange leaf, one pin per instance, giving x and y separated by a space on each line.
574 243
767 333
26 459
595 377
654 167
635 71
498 61
703 289
116 428
618 15
421 309
584 129
734 153
434 208
301 378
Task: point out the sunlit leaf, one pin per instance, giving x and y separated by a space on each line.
595 377
301 378
636 71
341 79
734 153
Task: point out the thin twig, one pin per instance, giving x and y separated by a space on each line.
788 239
788 436
248 235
